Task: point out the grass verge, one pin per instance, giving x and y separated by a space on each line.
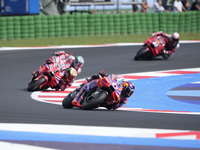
87 40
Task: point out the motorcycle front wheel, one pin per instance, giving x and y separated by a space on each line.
67 101
34 85
94 100
141 53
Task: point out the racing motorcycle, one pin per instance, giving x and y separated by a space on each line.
152 47
44 80
106 92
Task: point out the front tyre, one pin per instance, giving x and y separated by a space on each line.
67 101
94 100
141 53
36 84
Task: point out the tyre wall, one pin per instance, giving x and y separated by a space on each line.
78 25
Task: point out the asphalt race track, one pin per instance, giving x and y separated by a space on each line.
16 105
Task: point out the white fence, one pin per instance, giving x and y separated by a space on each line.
117 5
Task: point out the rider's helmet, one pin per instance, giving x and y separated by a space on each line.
78 62
128 88
175 38
71 74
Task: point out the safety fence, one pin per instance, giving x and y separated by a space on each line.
78 25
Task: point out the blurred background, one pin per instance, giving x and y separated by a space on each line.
40 21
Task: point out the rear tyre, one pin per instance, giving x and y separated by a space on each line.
36 84
141 53
94 100
166 56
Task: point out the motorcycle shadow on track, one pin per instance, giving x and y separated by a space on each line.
25 89
152 59
79 109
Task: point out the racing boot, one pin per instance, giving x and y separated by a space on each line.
78 98
76 103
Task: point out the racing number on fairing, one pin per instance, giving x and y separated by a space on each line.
158 42
115 85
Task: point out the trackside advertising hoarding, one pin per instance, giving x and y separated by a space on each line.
19 7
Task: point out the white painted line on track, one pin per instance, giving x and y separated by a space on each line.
15 146
83 46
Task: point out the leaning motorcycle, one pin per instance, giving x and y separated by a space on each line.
152 47
45 80
106 92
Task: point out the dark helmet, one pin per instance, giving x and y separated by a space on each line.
175 38
78 62
128 88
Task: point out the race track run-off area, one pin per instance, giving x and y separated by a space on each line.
171 91
168 91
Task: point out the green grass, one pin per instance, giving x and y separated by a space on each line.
87 40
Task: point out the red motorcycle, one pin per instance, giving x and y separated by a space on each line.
45 80
152 47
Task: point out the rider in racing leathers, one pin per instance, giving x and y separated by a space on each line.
67 78
127 90
63 62
172 43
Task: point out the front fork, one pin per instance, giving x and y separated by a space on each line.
46 80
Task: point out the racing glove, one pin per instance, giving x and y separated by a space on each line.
103 73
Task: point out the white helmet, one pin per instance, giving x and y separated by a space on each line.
78 62
175 38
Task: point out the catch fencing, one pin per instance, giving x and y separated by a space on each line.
80 25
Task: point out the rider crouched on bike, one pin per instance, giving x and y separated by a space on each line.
66 79
64 60
67 66
172 43
127 90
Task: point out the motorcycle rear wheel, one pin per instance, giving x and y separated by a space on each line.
36 84
94 100
141 53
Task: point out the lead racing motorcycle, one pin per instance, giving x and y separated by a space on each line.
106 92
152 47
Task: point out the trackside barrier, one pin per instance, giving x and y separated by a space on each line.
79 25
